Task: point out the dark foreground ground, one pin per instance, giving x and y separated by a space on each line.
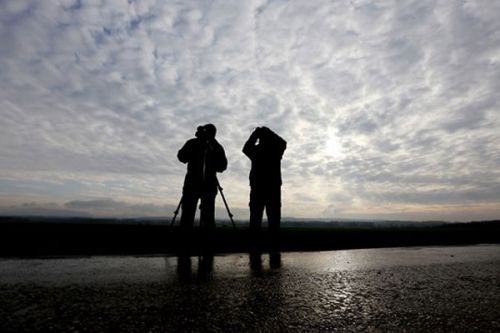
34 237
434 289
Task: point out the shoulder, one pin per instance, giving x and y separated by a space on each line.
216 145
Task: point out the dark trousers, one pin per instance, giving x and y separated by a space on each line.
207 209
270 199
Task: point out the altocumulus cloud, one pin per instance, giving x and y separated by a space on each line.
390 108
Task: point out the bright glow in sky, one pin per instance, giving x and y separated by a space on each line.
390 108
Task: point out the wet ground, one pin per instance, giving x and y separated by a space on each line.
432 289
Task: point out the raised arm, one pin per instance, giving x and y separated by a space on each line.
279 143
249 147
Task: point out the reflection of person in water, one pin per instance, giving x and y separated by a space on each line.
256 261
204 157
265 296
205 267
265 149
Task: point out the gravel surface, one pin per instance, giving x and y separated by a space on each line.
442 293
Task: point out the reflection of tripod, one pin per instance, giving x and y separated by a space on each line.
223 199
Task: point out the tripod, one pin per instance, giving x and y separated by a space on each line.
176 212
225 203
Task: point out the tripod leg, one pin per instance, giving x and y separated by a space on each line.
176 212
225 204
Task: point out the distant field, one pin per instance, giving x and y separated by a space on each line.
47 237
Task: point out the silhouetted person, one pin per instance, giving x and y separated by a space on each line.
204 157
265 149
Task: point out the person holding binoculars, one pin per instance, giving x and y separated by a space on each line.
265 149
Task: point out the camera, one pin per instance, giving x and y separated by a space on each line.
206 132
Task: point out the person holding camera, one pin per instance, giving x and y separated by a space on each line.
204 157
265 149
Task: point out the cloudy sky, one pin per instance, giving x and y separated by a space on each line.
390 108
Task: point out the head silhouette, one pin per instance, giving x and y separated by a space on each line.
210 130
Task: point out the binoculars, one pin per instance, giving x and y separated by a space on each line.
261 131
